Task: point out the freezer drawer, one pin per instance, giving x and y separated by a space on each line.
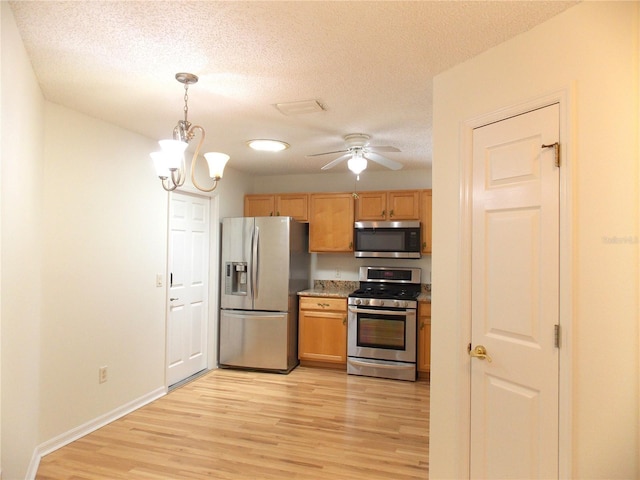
257 340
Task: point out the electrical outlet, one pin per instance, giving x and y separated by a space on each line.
337 273
102 374
159 280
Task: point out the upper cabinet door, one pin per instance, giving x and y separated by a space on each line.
371 206
331 222
404 205
388 206
259 205
294 205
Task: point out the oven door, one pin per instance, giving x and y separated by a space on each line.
382 333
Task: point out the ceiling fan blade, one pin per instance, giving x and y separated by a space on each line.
326 153
384 161
333 163
386 148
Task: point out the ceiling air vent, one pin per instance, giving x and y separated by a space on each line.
299 108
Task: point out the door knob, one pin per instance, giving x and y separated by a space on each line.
480 352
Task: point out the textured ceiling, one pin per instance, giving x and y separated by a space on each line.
370 64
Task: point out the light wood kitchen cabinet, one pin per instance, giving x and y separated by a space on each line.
388 206
331 217
322 330
259 205
424 337
425 220
294 205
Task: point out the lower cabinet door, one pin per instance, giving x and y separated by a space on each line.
323 336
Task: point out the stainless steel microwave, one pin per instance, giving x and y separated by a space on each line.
387 239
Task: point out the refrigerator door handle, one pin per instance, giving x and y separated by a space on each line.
255 256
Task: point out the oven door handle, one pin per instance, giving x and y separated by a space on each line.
403 313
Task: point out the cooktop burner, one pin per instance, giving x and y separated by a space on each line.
373 292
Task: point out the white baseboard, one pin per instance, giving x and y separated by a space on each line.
82 430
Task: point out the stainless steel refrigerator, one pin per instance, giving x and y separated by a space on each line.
265 262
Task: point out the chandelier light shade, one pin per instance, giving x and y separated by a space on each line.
216 161
169 161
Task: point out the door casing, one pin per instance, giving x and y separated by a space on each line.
563 98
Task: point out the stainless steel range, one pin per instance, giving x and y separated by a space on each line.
381 338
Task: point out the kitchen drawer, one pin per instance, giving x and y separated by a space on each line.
323 303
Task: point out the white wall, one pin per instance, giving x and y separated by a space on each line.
232 189
344 267
22 215
344 182
591 49
105 221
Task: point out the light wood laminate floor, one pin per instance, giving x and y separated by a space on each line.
312 424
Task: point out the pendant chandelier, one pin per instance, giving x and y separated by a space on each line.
169 162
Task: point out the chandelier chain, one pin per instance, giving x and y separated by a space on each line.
186 100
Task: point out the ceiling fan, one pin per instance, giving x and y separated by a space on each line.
358 151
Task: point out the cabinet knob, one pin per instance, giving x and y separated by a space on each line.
391 214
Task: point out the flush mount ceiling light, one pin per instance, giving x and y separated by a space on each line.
267 145
169 162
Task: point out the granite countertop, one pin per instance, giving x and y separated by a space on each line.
330 288
424 297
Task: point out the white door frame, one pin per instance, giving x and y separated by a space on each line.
563 98
214 277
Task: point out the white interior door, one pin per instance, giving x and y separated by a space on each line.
187 327
515 298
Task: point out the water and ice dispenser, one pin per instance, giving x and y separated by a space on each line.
236 278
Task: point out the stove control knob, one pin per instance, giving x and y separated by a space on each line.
358 301
397 303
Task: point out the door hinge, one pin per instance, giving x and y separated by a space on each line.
556 336
556 148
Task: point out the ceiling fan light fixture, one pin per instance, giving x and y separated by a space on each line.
357 163
267 145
